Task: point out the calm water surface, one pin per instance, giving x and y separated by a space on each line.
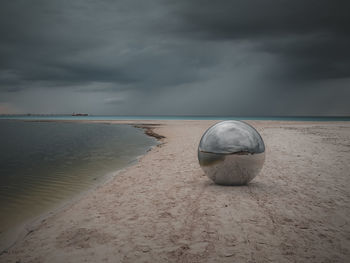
167 117
45 163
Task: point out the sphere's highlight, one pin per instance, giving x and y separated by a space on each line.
231 153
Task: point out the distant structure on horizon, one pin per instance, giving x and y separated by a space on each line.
79 114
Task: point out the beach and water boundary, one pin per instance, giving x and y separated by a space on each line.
47 165
58 117
169 211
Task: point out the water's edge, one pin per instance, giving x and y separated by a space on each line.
57 117
30 225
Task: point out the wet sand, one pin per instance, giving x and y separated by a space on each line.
163 208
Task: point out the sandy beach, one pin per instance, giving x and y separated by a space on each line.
164 209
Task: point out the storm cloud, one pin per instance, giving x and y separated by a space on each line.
175 57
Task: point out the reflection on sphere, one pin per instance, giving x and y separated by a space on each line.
231 153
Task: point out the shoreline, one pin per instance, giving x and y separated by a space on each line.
29 225
181 188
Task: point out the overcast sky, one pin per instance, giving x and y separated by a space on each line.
183 57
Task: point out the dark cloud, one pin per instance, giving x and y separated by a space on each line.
176 57
76 43
311 37
269 18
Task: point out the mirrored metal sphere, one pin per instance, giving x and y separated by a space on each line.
231 153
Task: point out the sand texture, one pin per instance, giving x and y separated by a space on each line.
163 208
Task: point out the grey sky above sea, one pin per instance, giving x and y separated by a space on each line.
137 57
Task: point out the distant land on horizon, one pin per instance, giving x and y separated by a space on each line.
181 115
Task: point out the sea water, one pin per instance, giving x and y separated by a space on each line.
43 164
174 117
